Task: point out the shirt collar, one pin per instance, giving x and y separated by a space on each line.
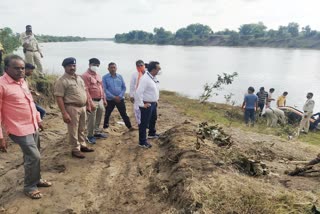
70 76
109 75
10 80
91 72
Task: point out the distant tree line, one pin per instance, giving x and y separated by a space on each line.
255 34
47 38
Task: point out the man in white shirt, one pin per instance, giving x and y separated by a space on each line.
134 83
307 113
147 96
270 98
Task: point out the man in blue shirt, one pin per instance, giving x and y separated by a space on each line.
115 88
250 105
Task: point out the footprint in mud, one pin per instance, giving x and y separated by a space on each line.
59 168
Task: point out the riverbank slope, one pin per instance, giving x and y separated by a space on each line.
180 174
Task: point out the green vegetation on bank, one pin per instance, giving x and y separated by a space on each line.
9 40
255 35
47 38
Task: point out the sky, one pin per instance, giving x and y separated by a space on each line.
105 18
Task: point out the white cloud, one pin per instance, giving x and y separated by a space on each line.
104 18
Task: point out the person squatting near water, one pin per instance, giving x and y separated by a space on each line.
21 120
93 84
31 49
115 88
72 99
147 96
134 83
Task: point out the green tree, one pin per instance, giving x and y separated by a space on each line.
293 29
256 30
162 36
9 40
202 31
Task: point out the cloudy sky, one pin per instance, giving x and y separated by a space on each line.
105 18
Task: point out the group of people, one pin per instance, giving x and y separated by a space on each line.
91 95
262 101
83 101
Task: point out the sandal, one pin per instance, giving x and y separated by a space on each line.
44 183
34 195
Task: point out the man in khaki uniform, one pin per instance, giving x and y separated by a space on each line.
71 95
31 49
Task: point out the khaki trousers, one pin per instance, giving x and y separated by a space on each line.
305 122
77 126
94 118
34 58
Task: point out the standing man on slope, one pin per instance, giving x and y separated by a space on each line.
262 99
115 88
93 83
134 83
21 120
249 106
31 49
147 96
307 113
71 95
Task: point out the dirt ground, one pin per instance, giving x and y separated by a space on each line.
120 177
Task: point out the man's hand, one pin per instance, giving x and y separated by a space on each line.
131 99
146 105
3 145
117 99
40 126
66 118
105 103
41 55
93 107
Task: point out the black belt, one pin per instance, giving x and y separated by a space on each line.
96 99
76 105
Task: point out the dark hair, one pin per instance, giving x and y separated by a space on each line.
146 65
152 65
310 93
285 93
271 89
139 62
29 66
262 88
112 63
251 89
9 58
94 61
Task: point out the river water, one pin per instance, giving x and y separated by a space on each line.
186 69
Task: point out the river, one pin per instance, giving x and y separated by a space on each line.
186 69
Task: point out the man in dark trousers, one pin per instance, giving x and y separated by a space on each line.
147 96
115 88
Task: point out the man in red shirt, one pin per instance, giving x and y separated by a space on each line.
21 120
93 84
